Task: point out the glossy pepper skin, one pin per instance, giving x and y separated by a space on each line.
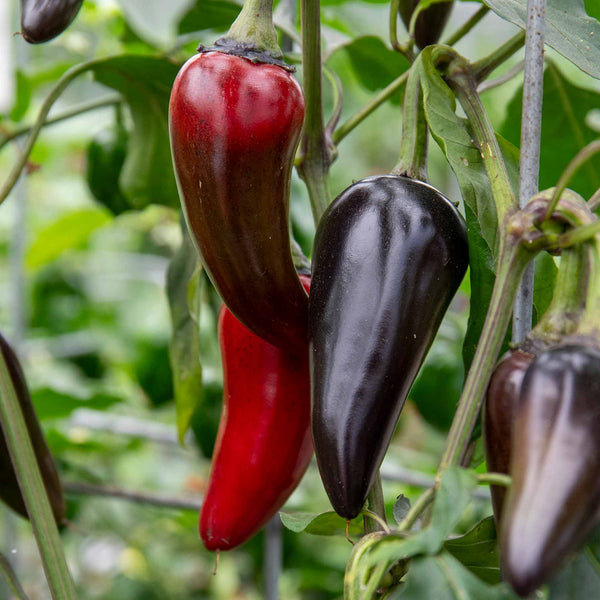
502 399
430 23
389 255
234 129
264 443
555 495
43 20
10 492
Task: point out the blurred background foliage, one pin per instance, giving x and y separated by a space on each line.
85 242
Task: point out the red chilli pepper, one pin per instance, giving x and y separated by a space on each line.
264 442
234 127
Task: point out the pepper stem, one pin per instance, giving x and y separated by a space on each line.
589 324
461 78
254 27
376 505
413 146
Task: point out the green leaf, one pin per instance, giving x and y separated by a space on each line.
373 63
67 232
564 130
209 14
569 30
477 550
444 578
401 508
327 523
183 281
451 499
453 135
592 7
145 82
579 579
53 404
22 96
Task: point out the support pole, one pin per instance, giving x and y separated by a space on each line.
531 129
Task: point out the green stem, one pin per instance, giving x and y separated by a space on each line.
461 79
376 505
377 523
415 512
511 263
467 26
579 235
54 94
413 145
568 298
394 5
484 67
254 27
10 577
385 94
315 154
495 479
594 201
75 111
578 161
589 324
33 490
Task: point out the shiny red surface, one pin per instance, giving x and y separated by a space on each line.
264 443
234 127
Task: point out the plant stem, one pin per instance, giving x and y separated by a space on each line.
420 505
10 577
484 67
375 504
136 496
315 153
413 145
467 26
512 261
385 94
254 26
594 201
54 94
580 159
578 235
75 111
461 79
495 479
33 490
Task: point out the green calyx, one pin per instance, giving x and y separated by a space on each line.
413 146
252 35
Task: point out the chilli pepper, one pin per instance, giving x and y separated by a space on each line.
389 255
42 20
554 498
234 125
430 22
555 465
10 492
264 443
503 391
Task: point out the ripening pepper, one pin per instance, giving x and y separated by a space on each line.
264 443
10 492
559 320
554 498
234 127
43 20
389 255
430 22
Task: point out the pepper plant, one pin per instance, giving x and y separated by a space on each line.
226 133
